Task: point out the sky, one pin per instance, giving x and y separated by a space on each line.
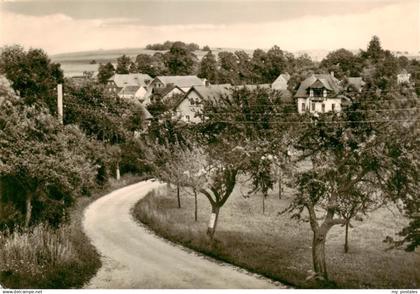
60 26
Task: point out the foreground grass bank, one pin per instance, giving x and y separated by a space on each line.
280 248
53 259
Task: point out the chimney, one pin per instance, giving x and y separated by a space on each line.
332 74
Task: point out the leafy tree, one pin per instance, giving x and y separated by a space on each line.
44 160
123 64
105 72
374 50
206 48
277 63
244 66
179 60
110 121
32 75
151 65
354 156
228 71
208 68
133 68
343 63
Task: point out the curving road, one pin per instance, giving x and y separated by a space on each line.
135 258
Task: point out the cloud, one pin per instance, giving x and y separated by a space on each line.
397 25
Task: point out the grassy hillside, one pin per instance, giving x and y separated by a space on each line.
279 247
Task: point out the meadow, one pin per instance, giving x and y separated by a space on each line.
279 247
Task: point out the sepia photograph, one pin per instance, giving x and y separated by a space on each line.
210 144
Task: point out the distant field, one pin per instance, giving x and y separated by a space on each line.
78 62
279 247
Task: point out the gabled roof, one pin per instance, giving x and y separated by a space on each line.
165 91
181 81
281 82
316 81
129 90
132 79
208 92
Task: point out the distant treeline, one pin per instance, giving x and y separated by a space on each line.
168 44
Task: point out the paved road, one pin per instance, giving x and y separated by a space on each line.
135 258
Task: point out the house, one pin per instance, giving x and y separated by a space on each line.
320 93
281 82
188 108
183 82
403 77
128 86
165 94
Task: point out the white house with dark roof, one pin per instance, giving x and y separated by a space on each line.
319 93
188 108
128 86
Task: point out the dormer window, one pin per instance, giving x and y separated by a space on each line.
311 93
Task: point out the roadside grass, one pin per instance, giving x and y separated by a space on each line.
279 247
46 258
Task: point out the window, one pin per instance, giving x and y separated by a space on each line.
333 107
323 107
187 117
303 107
311 93
313 106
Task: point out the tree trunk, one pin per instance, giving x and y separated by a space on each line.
28 215
346 240
195 206
213 221
318 255
280 184
177 195
263 203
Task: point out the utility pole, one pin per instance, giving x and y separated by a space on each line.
60 102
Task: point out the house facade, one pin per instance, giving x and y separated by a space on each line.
319 93
128 86
189 108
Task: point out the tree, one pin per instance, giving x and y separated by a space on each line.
277 63
343 63
208 68
244 66
206 48
32 75
179 60
105 72
355 155
123 64
221 174
133 68
44 160
228 71
244 135
374 50
151 65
